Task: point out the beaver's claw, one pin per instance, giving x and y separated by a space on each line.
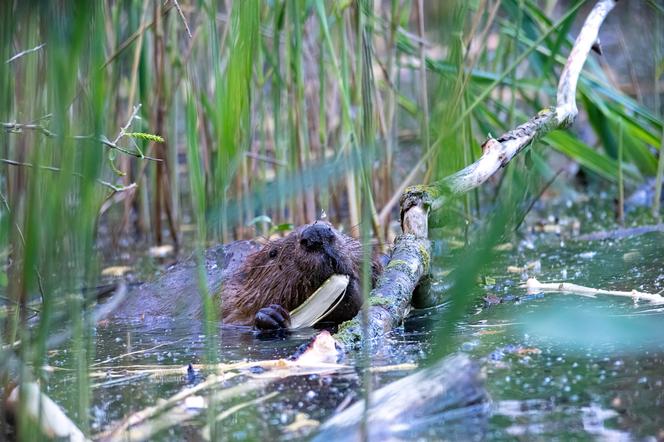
272 317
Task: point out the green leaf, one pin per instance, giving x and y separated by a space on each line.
260 219
285 227
583 154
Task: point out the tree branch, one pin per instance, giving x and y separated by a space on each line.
390 301
498 152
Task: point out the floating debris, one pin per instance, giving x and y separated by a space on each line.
116 271
533 286
161 251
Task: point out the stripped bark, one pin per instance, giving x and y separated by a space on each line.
43 414
390 301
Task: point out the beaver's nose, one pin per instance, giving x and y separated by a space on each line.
315 236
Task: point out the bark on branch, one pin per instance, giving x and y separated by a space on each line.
390 301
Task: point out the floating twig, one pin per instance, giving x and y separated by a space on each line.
144 424
133 353
533 286
318 358
173 411
120 381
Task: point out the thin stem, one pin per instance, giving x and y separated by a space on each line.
113 187
27 51
659 180
621 187
423 77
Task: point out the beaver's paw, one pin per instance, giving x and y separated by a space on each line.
272 317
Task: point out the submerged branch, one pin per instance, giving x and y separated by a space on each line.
450 392
623 232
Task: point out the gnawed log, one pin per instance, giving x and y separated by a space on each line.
450 394
390 301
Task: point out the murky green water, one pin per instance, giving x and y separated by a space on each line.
570 367
558 366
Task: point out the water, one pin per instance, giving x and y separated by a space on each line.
562 366
558 366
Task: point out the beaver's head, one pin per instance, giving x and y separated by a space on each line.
323 250
288 270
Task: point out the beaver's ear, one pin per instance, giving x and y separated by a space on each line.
272 249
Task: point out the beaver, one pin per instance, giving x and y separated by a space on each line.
258 285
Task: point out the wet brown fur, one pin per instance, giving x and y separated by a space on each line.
244 277
283 272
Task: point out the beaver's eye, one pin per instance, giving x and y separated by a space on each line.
273 253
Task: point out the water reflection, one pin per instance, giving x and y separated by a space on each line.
557 365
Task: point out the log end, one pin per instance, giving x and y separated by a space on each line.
349 334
